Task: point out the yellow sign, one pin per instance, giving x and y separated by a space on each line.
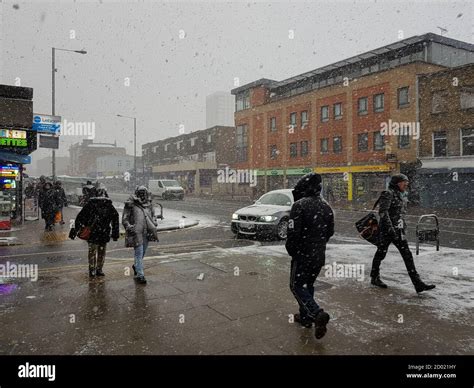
343 169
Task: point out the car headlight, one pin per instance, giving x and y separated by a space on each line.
267 218
235 216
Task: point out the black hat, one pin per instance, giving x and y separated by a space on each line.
396 179
307 185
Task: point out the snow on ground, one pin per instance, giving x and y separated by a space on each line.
452 270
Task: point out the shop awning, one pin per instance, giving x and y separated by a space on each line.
15 158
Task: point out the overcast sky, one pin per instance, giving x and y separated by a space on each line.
169 76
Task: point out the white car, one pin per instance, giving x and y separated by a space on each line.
166 189
267 217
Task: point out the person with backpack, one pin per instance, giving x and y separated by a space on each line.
49 203
140 228
392 229
97 222
310 227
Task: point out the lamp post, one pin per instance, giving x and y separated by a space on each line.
53 97
134 146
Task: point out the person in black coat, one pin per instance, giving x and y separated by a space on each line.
62 198
102 218
310 227
49 203
392 209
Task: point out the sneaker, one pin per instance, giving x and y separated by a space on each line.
320 323
305 322
91 273
99 272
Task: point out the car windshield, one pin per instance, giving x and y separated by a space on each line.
275 199
170 183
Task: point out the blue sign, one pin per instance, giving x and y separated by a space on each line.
47 124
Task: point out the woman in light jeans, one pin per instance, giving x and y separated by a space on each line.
140 228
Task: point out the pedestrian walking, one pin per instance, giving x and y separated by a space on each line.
140 228
392 210
310 226
101 220
49 203
62 199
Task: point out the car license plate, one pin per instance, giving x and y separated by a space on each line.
246 225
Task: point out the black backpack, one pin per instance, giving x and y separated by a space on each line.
368 226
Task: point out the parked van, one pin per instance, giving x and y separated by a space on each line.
166 189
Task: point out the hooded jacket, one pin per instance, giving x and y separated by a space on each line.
311 221
101 216
392 209
135 222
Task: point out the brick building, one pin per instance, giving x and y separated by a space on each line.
194 160
83 156
446 100
329 119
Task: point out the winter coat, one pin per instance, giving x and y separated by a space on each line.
101 216
62 197
392 210
310 226
134 218
49 202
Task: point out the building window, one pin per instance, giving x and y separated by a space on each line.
119 164
439 102
178 144
293 150
293 119
242 141
324 113
324 146
304 148
379 102
440 144
467 142
338 111
273 124
404 137
242 101
193 141
209 156
273 152
304 118
166 147
379 141
363 142
209 138
403 99
337 145
467 98
362 106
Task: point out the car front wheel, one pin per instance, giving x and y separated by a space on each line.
282 229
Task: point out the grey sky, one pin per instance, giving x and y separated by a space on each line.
169 76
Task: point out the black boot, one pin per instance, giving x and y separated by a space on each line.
91 273
99 272
320 323
420 286
376 281
305 322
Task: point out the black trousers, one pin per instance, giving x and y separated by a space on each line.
403 248
304 271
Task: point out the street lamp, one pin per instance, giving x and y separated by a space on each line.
134 146
53 97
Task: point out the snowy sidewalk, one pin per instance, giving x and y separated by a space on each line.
237 301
